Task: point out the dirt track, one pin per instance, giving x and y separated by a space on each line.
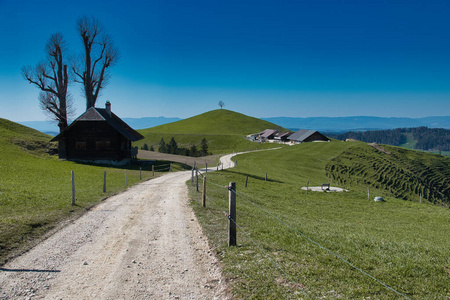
144 243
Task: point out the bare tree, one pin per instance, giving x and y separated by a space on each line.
221 104
92 70
51 77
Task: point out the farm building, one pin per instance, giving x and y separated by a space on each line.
267 134
304 135
98 135
282 136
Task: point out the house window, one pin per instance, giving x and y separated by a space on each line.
102 145
81 145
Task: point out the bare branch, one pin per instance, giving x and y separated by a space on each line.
52 78
99 54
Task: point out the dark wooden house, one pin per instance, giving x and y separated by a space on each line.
98 135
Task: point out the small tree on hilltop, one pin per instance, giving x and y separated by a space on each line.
221 104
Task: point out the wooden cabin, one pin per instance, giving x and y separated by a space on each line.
99 136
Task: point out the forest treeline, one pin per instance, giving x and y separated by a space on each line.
429 139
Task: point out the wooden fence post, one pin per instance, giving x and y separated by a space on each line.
192 176
104 182
204 192
153 170
196 176
307 187
266 176
73 188
232 214
246 181
206 167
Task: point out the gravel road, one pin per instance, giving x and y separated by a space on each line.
144 243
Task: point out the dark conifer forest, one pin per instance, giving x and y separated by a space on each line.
424 138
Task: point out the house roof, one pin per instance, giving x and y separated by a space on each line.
283 135
302 135
268 132
101 114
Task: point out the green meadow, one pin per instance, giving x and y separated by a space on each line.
294 244
36 189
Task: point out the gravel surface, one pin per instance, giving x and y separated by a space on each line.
144 243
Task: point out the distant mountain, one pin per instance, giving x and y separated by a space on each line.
340 124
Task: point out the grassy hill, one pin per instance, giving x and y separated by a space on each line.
403 173
223 129
35 188
285 233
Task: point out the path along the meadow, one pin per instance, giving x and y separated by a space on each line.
144 243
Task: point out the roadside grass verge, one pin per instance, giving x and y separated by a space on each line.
36 190
403 244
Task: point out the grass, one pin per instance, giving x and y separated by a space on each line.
224 130
410 141
405 174
403 244
35 188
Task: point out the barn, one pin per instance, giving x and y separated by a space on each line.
304 135
98 136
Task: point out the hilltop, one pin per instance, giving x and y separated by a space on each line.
220 121
224 130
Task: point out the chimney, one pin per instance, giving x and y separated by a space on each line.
108 108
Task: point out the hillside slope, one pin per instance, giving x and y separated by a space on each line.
282 228
224 130
35 188
403 173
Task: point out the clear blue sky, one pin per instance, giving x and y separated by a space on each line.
298 58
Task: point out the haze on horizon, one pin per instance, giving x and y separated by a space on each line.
262 58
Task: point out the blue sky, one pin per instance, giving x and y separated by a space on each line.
262 58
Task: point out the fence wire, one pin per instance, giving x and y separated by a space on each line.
299 233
